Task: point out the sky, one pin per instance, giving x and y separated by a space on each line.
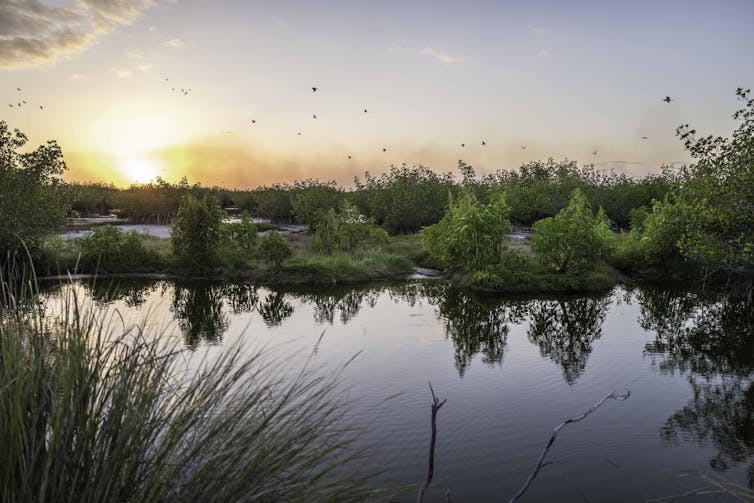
564 79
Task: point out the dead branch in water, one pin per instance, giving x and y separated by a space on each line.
540 461
436 404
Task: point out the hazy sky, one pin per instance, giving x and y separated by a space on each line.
564 78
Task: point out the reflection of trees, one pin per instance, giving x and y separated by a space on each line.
132 292
198 307
475 324
274 309
722 414
345 302
564 330
713 340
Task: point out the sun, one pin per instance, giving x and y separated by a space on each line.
139 169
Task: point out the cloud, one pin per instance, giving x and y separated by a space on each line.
539 30
543 53
144 67
34 32
175 43
442 57
76 76
121 73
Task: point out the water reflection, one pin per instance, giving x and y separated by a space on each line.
198 308
274 309
133 294
475 324
565 329
712 340
346 303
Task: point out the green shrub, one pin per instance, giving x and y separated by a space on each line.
273 248
345 231
108 249
237 239
574 239
196 232
471 235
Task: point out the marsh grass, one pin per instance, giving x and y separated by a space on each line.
91 410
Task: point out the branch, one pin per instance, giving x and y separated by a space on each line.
540 461
436 404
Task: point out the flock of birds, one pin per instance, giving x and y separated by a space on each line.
667 99
186 91
22 102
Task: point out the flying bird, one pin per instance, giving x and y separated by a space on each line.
365 110
314 116
463 145
299 133
644 137
594 153
253 121
384 149
10 105
667 99
41 107
484 143
349 156
314 89
523 147
19 89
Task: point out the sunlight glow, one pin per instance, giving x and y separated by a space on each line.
140 170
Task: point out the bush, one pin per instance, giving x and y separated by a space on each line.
89 415
196 232
574 239
273 248
108 249
345 231
239 236
471 235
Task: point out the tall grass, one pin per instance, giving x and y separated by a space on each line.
93 413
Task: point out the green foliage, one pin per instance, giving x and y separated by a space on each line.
310 197
108 249
472 234
273 248
345 231
96 414
360 266
32 196
239 236
405 199
196 233
574 239
719 189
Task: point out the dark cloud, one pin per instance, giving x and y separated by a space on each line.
33 33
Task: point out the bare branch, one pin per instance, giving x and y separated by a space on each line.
540 461
436 404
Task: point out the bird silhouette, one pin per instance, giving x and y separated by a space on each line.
314 89
384 149
484 143
365 110
10 105
19 89
594 153
41 107
523 147
19 105
644 137
253 121
667 99
463 145
349 156
314 116
174 89
23 101
299 133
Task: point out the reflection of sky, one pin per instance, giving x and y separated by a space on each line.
497 417
563 78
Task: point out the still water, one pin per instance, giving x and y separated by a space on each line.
511 368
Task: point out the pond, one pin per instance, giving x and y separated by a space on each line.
511 368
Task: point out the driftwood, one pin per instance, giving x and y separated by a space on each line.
540 461
436 404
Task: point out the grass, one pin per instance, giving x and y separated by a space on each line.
94 413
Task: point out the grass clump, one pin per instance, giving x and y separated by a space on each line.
91 413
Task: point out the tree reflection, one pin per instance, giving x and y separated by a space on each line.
198 308
132 293
565 329
274 309
711 339
475 324
346 303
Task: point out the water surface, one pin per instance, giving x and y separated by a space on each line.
511 369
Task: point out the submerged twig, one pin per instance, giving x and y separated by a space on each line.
540 461
436 404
